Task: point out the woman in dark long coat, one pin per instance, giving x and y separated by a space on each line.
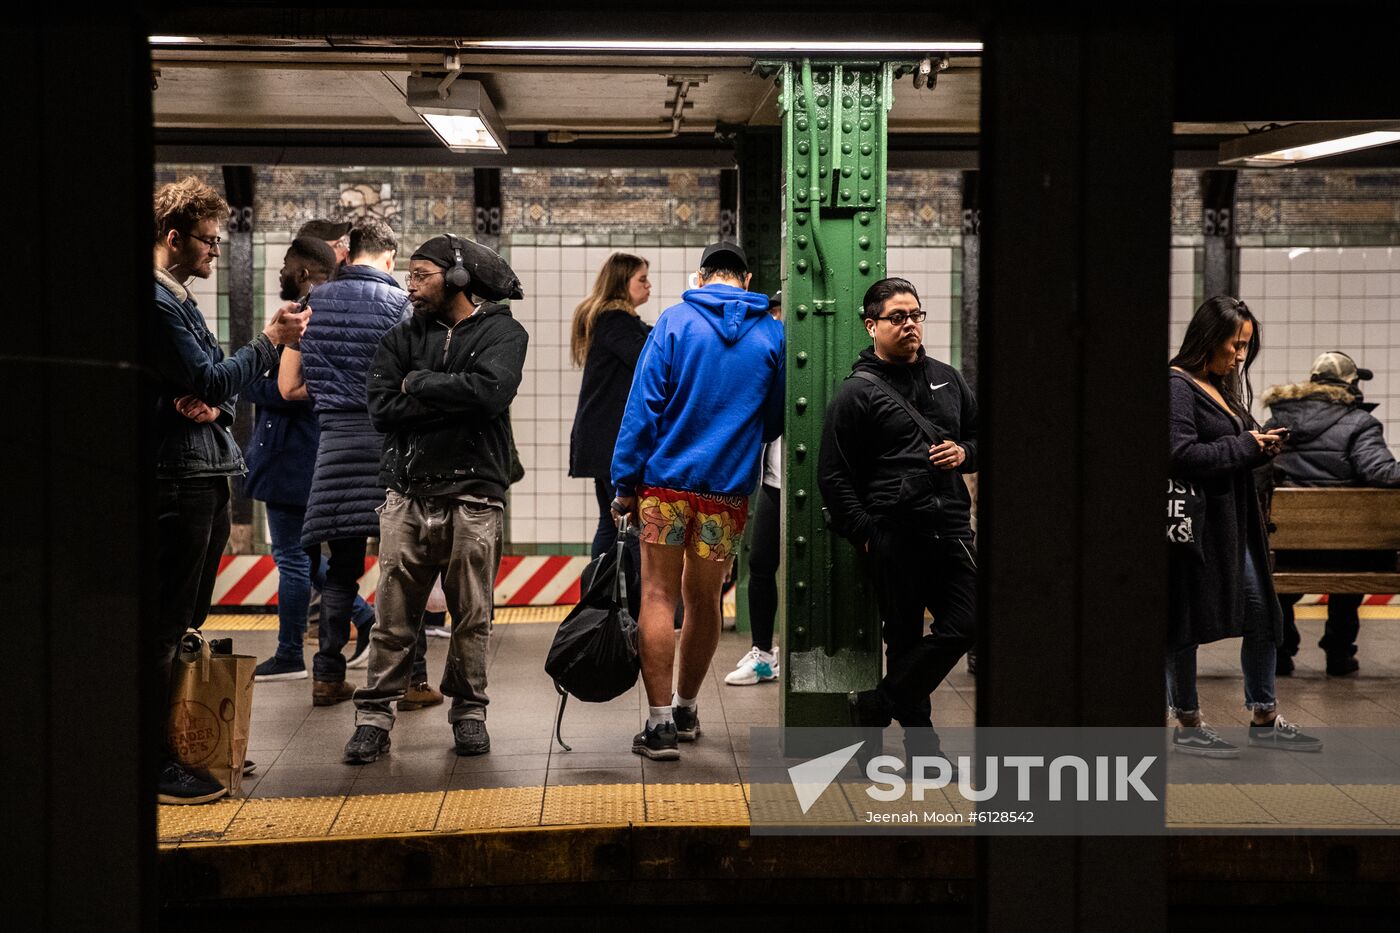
1224 590
606 340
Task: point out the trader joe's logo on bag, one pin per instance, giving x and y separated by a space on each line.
194 731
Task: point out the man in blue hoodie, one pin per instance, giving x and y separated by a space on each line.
707 393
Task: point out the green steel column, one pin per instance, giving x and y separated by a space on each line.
760 156
834 149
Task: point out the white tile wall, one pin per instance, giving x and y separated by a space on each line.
548 507
929 269
1182 295
1310 300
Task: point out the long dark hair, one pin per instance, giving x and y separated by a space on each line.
1215 323
609 291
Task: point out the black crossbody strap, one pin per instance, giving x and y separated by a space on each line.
929 433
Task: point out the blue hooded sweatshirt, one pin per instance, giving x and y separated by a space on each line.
707 394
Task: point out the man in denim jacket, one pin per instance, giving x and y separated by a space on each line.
195 453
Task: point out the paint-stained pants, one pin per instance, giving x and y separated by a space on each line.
420 538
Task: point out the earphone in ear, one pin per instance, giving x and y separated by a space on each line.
458 276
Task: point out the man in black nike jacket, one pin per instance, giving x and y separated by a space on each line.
899 431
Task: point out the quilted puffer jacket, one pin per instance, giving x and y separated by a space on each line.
349 316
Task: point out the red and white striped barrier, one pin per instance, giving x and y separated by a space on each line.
251 580
1313 599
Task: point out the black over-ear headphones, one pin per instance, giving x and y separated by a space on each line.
458 276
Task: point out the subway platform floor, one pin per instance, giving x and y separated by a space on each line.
301 790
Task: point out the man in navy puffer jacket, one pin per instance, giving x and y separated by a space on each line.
331 366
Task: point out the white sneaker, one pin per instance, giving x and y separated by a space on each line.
439 631
754 667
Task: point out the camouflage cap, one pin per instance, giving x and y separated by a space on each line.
1336 366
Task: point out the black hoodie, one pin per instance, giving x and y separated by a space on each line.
874 471
441 395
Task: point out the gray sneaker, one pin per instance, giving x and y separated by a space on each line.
1284 736
1204 741
469 737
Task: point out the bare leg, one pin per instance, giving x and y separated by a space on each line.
700 636
661 591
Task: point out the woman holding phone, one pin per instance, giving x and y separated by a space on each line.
1223 590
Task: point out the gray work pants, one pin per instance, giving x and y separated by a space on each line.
420 538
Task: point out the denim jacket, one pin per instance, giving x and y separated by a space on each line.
189 361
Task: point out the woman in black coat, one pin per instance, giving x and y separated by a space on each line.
1223 590
606 340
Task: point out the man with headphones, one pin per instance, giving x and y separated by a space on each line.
440 389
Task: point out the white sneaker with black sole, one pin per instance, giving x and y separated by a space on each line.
1204 741
1284 736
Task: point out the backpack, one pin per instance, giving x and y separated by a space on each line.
594 655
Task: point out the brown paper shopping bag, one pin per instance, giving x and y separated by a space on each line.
211 704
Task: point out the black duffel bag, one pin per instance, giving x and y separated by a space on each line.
594 655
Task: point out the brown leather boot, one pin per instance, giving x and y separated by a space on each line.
329 693
418 696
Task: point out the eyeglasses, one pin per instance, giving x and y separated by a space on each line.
899 317
416 278
211 242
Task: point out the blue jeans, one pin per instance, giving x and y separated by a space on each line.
1258 653
293 578
298 572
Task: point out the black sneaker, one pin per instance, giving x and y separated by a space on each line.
359 658
1283 666
275 668
923 742
1204 741
469 737
1284 736
868 709
1342 667
659 744
687 723
181 785
366 745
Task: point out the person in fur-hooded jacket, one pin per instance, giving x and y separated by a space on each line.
1334 440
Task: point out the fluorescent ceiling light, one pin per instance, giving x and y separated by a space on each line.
174 40
460 131
1303 142
778 46
461 114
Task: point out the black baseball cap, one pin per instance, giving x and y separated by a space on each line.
722 248
328 230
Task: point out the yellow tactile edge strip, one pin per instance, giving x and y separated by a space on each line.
1189 806
507 615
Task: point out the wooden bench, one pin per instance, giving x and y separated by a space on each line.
1335 519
